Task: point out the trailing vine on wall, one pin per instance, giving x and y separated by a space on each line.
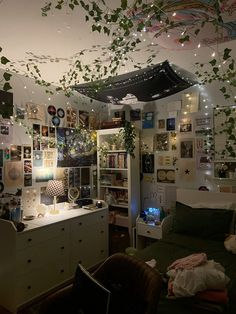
120 24
128 134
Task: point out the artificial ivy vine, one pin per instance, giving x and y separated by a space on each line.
119 24
128 133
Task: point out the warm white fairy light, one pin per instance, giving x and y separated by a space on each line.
174 14
168 35
213 54
199 45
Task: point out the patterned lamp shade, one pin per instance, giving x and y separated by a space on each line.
55 188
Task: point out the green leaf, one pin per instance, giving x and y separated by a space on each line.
124 4
7 87
7 76
183 39
4 60
197 31
227 53
213 62
223 89
0 49
71 6
215 70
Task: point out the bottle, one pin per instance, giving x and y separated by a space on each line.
18 211
12 209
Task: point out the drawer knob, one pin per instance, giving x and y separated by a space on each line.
29 239
62 270
62 229
80 240
29 261
62 247
29 287
148 231
80 223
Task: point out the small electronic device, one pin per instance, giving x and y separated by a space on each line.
84 201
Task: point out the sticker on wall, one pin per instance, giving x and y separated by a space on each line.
13 174
166 175
187 170
52 131
44 130
71 117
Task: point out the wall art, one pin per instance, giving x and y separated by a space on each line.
84 118
37 158
148 120
185 125
35 111
15 152
6 132
170 124
161 141
135 115
161 124
71 117
44 130
43 174
166 175
187 170
148 163
13 174
186 148
27 152
27 166
27 180
190 102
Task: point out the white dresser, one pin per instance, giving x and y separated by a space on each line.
46 253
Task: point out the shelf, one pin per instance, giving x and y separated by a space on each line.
115 187
229 180
123 169
120 205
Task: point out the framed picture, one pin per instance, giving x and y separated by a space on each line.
186 148
161 124
166 175
135 115
162 141
148 120
185 125
148 163
170 124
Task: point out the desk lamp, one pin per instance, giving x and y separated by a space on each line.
55 188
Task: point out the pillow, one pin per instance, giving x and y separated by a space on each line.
90 295
208 223
214 205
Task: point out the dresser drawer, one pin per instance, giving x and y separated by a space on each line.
88 220
35 257
41 234
149 231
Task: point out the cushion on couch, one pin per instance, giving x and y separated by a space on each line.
199 221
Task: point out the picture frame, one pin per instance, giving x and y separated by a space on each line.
187 148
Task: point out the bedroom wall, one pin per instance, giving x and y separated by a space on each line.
171 165
32 177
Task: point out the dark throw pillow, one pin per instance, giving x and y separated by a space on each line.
203 222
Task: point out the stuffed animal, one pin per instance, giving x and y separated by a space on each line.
230 243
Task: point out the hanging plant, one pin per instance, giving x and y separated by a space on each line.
128 133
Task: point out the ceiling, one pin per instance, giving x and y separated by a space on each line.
23 31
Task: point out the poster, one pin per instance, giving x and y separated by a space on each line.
13 174
162 141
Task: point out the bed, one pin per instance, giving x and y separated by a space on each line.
199 223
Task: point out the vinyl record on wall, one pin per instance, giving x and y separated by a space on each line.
52 110
56 121
60 113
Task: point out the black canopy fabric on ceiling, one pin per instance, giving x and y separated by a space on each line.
151 83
